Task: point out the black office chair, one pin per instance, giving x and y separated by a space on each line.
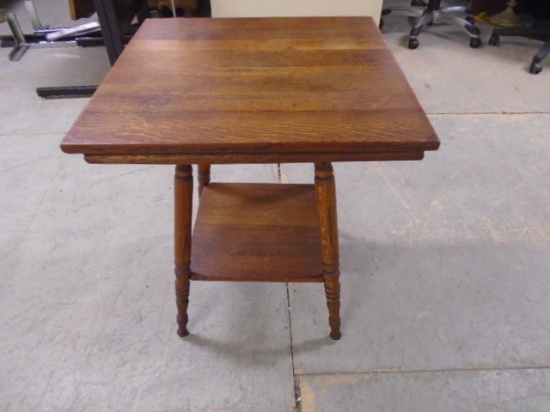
431 12
538 32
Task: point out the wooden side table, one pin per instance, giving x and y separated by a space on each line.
258 90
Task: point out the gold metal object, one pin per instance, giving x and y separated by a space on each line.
508 18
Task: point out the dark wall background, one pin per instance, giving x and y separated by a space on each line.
538 8
488 6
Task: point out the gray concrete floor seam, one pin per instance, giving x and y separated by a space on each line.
506 113
421 371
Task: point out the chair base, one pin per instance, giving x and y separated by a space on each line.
538 33
432 12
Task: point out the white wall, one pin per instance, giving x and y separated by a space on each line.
273 8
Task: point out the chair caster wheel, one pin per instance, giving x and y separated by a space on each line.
494 40
413 44
535 68
475 42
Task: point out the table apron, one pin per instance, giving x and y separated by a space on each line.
253 158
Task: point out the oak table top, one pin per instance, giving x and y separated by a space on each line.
253 90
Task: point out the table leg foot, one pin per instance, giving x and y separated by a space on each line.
183 334
182 301
332 290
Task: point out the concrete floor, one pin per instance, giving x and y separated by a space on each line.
445 262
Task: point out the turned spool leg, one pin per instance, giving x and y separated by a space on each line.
204 176
183 207
325 191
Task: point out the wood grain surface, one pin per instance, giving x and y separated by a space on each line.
281 88
257 232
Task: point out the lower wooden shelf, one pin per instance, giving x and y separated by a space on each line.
257 232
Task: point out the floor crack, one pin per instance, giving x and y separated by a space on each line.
297 392
502 112
422 371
